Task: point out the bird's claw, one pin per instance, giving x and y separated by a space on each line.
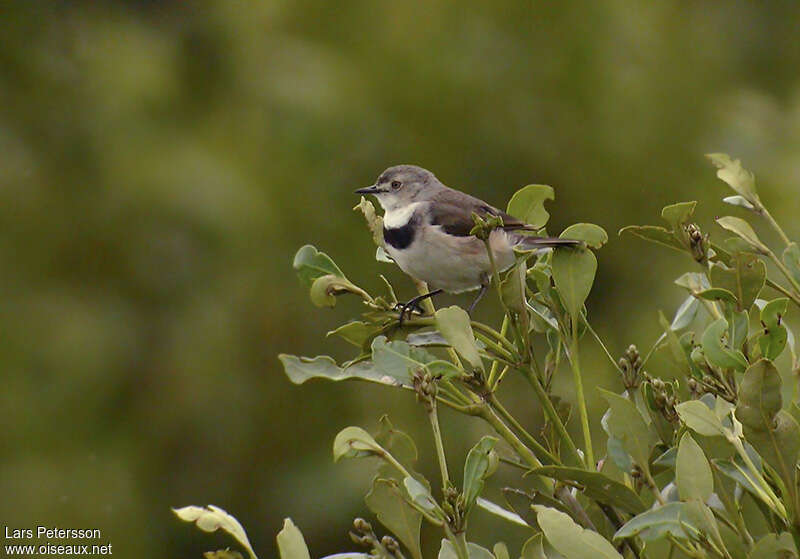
406 309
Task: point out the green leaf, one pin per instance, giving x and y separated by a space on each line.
654 234
772 431
500 551
739 201
501 512
745 279
419 494
597 486
573 274
685 313
291 544
775 337
311 264
355 442
212 518
718 354
569 539
692 472
385 499
774 311
474 551
538 548
398 360
678 214
593 235
512 290
744 230
301 369
527 204
325 289
223 554
454 324
694 282
397 442
655 524
355 332
627 424
374 221
774 546
791 258
738 178
700 419
480 464
718 294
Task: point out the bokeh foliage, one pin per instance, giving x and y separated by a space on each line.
161 162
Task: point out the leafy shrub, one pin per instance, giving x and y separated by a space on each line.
704 465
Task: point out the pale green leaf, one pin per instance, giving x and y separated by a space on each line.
692 472
480 463
569 539
716 352
354 442
678 214
740 201
774 546
454 324
385 499
593 235
419 494
527 204
213 518
738 178
744 230
310 264
654 234
596 485
291 544
629 427
501 512
573 274
772 431
301 369
700 419
655 524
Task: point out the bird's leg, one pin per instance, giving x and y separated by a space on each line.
413 304
484 287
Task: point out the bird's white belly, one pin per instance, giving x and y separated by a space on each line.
452 263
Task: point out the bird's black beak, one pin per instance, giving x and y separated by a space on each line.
368 190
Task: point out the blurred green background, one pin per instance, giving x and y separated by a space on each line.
160 163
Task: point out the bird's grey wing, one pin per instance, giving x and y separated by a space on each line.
455 215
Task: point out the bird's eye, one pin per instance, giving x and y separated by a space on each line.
396 184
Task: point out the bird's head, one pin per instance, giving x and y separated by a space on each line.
402 185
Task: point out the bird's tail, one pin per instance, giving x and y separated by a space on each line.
532 243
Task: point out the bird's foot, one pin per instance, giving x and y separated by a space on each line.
406 309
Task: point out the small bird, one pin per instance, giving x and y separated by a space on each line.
426 231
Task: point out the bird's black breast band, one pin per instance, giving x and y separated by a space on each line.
401 237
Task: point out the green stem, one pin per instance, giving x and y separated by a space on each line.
768 493
459 542
599 341
496 365
774 224
542 452
779 288
787 274
552 414
576 374
437 439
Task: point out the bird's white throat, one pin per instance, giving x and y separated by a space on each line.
395 218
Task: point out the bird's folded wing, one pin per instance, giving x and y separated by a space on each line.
456 219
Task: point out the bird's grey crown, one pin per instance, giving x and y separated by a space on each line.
407 173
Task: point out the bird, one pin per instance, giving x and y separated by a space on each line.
427 231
